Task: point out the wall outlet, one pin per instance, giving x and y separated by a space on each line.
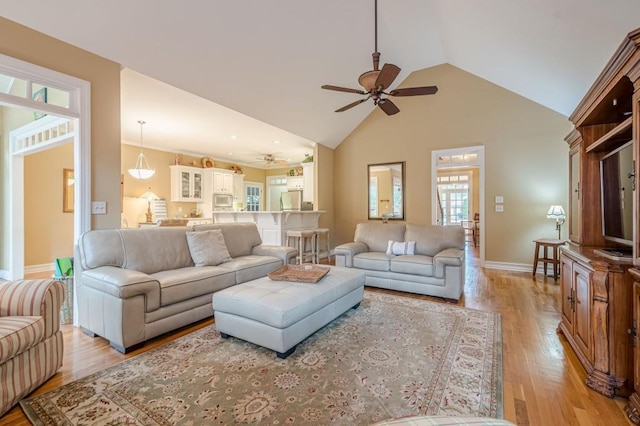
499 208
180 209
98 207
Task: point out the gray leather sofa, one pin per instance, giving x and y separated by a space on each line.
437 267
136 284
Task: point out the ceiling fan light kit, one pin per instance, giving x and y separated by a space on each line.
376 81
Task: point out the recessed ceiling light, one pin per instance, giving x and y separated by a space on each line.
229 153
234 137
276 141
289 160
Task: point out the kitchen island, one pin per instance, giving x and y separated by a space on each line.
273 225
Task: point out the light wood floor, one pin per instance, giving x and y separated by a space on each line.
543 379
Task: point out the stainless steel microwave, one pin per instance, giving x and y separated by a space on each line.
222 201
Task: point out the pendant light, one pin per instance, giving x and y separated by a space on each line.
141 170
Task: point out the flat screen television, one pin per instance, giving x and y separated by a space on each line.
617 195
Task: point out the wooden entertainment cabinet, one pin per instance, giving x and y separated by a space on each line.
600 291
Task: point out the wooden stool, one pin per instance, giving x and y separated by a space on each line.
322 250
305 242
545 243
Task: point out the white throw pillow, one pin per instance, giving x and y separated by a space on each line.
207 247
398 248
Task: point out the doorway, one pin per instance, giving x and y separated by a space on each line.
75 109
457 177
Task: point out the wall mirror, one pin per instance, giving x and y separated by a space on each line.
386 191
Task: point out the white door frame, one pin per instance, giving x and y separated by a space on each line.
479 149
79 110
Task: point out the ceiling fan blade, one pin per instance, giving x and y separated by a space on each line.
414 91
388 107
344 89
281 162
388 73
351 105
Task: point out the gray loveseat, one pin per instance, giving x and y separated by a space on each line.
437 267
136 284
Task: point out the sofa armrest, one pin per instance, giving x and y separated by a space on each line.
123 284
447 257
286 254
344 253
33 298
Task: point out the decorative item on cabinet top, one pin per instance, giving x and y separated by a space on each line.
235 169
207 162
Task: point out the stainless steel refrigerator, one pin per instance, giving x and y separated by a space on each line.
291 201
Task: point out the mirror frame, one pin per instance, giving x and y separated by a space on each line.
404 190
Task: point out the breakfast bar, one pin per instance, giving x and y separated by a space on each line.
273 225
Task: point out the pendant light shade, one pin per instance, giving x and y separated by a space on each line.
142 170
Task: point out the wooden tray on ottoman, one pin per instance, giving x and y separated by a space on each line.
299 273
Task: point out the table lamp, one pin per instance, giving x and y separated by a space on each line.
557 213
149 196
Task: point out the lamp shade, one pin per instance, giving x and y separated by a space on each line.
556 212
149 195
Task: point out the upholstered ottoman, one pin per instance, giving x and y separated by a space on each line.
280 314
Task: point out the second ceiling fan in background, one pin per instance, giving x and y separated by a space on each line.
376 81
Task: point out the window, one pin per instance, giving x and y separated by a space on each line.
455 195
253 193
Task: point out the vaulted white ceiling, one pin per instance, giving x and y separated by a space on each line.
266 60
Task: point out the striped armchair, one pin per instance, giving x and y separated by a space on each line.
30 337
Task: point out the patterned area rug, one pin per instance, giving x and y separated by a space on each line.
392 357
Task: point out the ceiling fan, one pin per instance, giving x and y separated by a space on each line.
270 159
376 81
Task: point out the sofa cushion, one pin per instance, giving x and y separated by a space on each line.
152 250
207 248
373 260
413 264
376 235
182 284
17 334
431 239
240 238
249 268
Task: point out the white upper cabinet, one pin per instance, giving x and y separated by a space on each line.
186 183
222 182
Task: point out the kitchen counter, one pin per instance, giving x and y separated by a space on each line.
273 225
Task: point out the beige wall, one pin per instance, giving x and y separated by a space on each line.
526 158
48 232
27 45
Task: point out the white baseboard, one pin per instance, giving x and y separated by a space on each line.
518 267
34 269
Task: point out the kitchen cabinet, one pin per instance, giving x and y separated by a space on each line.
222 182
238 189
295 183
308 190
186 183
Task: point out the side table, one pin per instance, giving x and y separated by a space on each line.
66 310
547 243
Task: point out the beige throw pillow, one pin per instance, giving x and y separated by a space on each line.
207 247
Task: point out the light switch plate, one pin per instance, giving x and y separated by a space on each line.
98 207
499 208
499 199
